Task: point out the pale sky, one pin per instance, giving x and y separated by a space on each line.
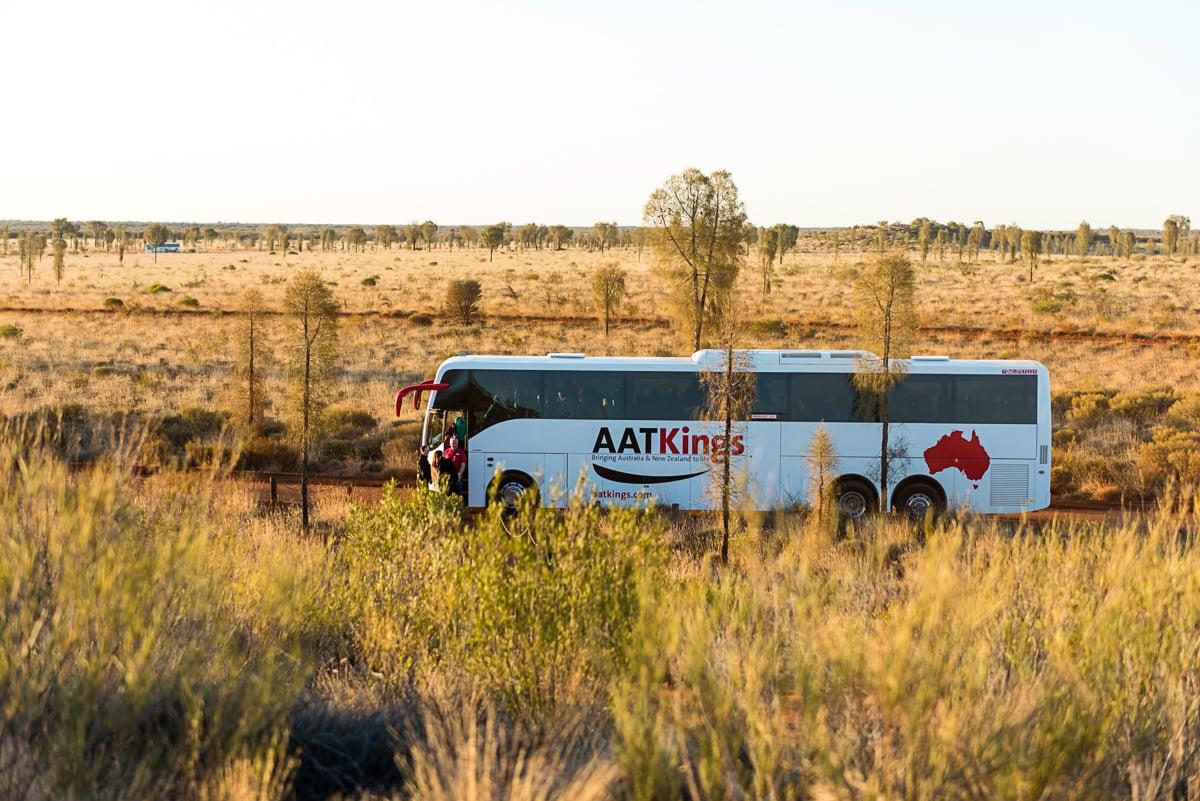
827 113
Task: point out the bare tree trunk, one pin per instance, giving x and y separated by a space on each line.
885 409
304 435
728 448
250 376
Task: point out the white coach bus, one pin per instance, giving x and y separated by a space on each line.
966 434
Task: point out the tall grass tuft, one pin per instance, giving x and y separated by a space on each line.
142 654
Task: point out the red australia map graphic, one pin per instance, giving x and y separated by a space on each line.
955 450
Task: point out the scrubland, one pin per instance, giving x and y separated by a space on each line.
165 638
159 340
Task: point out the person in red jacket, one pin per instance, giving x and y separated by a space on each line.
457 457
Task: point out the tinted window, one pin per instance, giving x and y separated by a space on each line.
499 395
996 399
584 395
924 399
826 396
454 396
662 396
771 396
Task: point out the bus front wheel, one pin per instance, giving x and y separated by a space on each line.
511 489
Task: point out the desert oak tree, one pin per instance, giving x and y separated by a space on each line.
887 325
313 341
609 290
696 224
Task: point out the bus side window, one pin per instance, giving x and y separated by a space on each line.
923 398
672 395
828 397
584 395
499 395
771 396
996 399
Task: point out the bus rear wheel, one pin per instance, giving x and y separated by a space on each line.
855 499
917 499
511 489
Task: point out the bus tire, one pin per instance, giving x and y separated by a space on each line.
917 498
510 489
855 498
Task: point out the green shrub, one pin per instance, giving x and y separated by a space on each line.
1171 455
349 422
463 297
189 302
1088 408
772 328
156 287
1143 406
114 304
192 424
272 455
1046 301
10 331
523 615
421 319
370 280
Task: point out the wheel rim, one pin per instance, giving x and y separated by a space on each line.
853 504
918 503
511 492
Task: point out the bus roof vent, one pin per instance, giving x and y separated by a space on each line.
848 354
801 354
567 355
930 358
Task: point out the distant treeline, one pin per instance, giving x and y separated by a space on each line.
1175 238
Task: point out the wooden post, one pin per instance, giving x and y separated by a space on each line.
274 491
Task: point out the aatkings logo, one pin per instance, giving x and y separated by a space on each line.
666 441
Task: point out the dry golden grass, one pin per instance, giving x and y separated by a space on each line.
1089 321
1142 294
163 356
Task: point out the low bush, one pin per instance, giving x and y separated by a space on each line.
270 455
10 331
1143 406
156 288
114 304
349 422
1186 409
1171 455
772 328
527 617
192 424
1046 301
189 302
1088 408
462 300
